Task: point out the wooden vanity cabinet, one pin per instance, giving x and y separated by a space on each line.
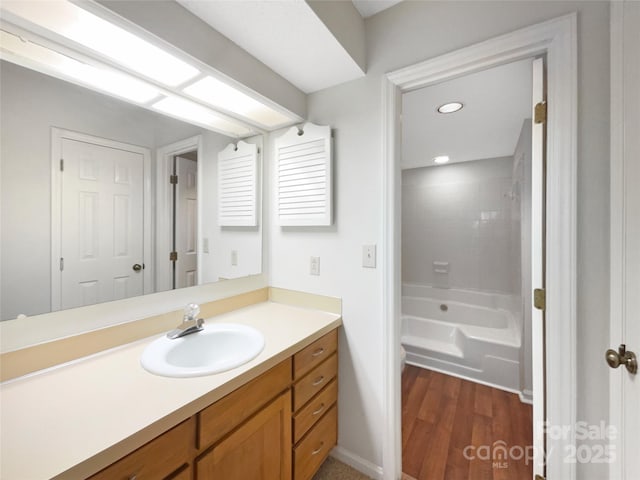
247 434
260 449
164 457
278 426
315 395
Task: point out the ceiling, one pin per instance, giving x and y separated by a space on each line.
496 102
368 8
289 37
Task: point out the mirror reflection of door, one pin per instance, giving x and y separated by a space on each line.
101 228
185 220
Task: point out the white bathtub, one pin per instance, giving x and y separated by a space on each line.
473 335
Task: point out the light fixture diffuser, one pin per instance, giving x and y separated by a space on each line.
74 23
51 62
193 112
221 95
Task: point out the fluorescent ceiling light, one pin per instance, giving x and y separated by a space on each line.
76 24
441 159
450 107
220 95
51 62
192 112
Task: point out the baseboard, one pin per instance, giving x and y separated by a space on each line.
474 380
526 396
357 462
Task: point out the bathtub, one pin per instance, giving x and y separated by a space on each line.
473 335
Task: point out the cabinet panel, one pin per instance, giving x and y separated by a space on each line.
314 354
227 413
158 458
314 381
314 410
260 449
315 447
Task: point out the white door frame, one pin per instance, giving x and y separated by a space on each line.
164 157
557 39
57 135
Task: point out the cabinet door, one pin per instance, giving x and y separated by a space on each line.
260 449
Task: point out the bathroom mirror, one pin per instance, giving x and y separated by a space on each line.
42 116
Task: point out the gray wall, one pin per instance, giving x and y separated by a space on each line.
403 35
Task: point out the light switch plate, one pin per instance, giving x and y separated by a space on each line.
234 257
314 266
369 256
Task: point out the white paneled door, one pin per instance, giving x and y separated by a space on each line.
625 239
101 229
186 223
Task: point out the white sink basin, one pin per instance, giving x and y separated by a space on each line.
216 348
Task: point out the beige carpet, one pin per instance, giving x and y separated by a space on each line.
332 469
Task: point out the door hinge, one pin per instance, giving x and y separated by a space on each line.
173 256
61 264
540 113
62 164
539 298
173 179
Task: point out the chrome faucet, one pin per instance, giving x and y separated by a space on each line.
190 322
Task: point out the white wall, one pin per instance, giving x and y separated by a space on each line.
460 214
403 35
30 104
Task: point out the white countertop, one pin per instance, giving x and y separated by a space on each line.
73 420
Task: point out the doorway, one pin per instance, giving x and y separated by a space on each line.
184 215
466 319
178 214
556 40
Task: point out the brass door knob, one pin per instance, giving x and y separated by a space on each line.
622 357
137 267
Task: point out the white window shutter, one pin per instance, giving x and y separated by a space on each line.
238 185
304 176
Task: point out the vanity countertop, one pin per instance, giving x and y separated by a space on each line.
73 420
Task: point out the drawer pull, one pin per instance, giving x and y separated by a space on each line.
321 408
318 352
318 450
318 381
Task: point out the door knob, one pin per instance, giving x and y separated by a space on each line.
622 357
137 267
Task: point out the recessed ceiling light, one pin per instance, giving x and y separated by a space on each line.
450 107
441 159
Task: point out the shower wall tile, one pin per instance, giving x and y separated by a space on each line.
461 214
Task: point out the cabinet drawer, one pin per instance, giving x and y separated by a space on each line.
313 411
314 354
230 411
314 381
314 448
157 459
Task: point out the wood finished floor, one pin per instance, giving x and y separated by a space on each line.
441 415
